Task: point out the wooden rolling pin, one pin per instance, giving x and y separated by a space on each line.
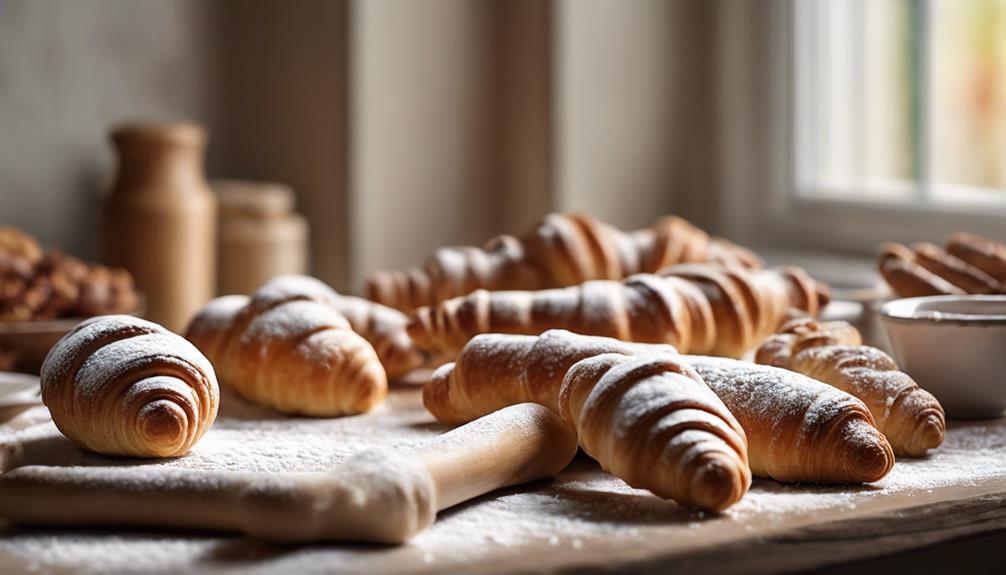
376 496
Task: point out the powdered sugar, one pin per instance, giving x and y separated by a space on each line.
111 362
585 511
769 391
293 319
76 345
290 287
218 314
585 517
299 298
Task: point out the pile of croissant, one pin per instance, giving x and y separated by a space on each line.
634 338
966 264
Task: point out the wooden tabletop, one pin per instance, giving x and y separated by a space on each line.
584 520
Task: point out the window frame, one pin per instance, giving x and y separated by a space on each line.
786 214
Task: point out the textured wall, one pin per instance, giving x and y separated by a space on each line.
70 69
422 129
402 126
615 95
282 106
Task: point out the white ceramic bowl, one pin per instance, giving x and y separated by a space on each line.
954 347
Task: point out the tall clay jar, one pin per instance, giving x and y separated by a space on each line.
160 219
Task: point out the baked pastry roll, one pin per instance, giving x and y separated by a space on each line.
798 429
562 250
970 264
651 421
698 308
833 352
286 351
382 326
120 385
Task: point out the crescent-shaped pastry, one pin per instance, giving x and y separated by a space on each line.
120 385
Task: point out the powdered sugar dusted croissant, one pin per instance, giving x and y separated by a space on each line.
652 422
382 326
832 352
698 308
496 370
293 354
563 250
120 385
798 429
646 419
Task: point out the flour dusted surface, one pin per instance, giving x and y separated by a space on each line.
586 516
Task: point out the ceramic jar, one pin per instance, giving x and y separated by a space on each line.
260 235
160 220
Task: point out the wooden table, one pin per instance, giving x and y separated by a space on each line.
582 521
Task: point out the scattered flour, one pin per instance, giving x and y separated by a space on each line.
584 515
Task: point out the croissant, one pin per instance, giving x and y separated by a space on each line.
984 254
563 250
294 355
697 308
119 385
648 420
798 429
969 264
382 326
495 371
832 352
652 422
909 279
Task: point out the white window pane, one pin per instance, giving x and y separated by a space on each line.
889 111
857 108
968 96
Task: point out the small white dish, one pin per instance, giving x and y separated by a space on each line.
955 348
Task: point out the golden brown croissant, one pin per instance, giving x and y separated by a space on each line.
496 370
832 352
293 354
625 412
120 385
984 254
798 429
969 264
698 308
382 326
652 422
563 250
909 279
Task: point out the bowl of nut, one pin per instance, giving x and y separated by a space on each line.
45 293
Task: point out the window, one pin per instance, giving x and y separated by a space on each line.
900 101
